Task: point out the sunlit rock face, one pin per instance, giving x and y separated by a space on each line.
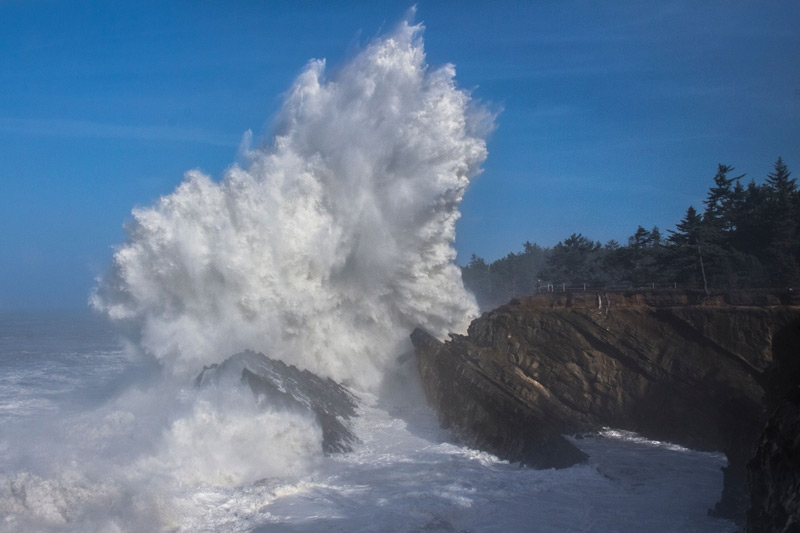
672 366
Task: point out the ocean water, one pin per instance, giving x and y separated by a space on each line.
76 457
47 356
323 246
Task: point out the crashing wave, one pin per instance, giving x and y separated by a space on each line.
325 248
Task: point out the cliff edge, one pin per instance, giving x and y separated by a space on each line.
671 365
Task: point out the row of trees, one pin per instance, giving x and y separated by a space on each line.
746 236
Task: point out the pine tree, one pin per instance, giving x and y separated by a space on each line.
687 230
783 252
655 237
575 260
533 260
720 203
614 263
687 249
476 277
752 229
781 186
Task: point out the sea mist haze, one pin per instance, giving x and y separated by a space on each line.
322 247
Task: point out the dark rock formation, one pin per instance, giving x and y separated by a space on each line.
284 387
672 365
775 472
477 405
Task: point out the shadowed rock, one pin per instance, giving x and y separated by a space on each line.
285 387
775 472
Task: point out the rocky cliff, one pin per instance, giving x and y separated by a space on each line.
774 473
674 365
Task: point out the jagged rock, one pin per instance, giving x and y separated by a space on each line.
483 413
675 366
775 472
284 386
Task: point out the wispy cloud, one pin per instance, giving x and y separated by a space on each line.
97 130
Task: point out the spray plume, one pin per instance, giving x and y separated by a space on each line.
326 248
323 249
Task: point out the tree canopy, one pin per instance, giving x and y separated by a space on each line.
747 236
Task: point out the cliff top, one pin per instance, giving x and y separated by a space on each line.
599 299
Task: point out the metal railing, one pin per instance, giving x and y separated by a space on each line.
586 287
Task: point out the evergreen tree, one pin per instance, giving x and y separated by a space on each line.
516 274
782 188
687 231
717 229
637 256
641 259
476 278
783 252
655 237
751 221
686 256
746 236
574 261
720 202
533 261
614 263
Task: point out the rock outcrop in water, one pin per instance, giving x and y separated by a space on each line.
284 387
675 366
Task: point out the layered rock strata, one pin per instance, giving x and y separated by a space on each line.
280 386
673 365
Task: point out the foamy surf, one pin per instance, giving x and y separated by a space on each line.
323 248
116 467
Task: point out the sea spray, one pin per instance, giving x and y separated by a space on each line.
325 248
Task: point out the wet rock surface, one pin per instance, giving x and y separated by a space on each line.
285 387
675 366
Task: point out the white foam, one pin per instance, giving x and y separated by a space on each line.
326 248
404 477
323 249
236 443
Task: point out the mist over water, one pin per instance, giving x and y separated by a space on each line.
325 248
322 247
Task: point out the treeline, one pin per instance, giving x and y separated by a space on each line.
747 236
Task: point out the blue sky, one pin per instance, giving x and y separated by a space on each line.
614 114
